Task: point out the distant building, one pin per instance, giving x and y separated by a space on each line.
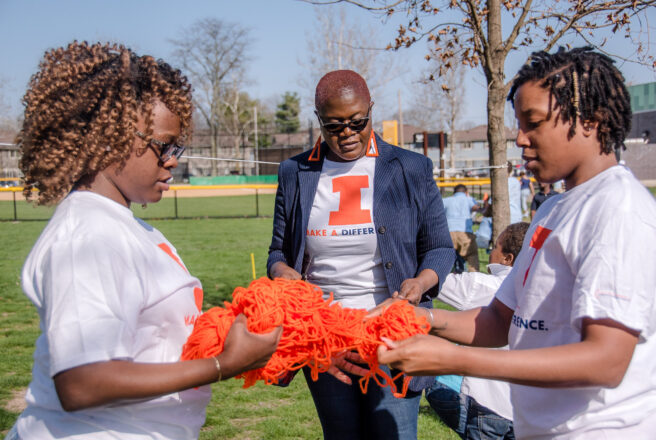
470 150
643 106
640 153
282 147
9 155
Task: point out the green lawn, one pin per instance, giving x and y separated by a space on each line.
168 208
218 252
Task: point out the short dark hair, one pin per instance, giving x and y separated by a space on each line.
512 238
586 85
338 82
459 188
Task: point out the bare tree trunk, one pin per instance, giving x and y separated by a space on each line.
497 142
452 138
214 134
496 136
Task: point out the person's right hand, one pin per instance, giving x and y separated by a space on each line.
344 363
244 351
419 355
282 270
380 308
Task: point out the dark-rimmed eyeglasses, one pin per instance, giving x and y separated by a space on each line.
356 125
166 151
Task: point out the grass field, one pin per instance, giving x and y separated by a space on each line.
218 252
193 207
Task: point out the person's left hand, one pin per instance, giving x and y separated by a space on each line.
411 289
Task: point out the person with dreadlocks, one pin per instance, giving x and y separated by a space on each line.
578 308
364 220
115 301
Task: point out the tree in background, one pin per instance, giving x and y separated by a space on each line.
438 106
213 54
287 120
9 122
453 93
472 32
337 44
265 125
237 119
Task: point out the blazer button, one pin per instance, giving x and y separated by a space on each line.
381 230
388 265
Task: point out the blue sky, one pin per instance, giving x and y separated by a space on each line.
279 29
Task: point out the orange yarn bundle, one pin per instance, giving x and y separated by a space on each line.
314 330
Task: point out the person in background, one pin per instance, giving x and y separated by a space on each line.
115 301
459 208
514 196
558 186
364 220
578 308
479 408
527 191
546 191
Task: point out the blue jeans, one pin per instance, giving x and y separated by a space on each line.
347 414
12 434
469 419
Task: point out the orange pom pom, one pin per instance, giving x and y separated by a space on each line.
314 330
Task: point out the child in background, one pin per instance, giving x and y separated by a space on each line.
527 192
546 191
578 308
482 405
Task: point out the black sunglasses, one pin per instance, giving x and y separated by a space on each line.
356 125
166 151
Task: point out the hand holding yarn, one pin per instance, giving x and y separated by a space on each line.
314 330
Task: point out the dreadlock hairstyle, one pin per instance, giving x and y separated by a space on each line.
512 238
585 86
81 111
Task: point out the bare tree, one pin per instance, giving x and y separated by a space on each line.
8 119
445 100
237 117
472 31
214 54
338 43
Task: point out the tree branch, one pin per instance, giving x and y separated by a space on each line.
508 44
358 4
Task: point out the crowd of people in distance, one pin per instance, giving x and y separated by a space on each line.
554 339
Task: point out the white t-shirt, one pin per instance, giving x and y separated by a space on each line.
108 286
341 243
466 291
588 253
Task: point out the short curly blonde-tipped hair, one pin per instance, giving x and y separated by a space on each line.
81 112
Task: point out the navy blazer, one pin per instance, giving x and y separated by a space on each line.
411 226
409 219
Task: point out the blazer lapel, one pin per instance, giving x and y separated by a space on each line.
308 180
384 171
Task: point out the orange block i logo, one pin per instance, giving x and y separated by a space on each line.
350 201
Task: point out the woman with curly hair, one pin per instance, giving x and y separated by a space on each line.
115 301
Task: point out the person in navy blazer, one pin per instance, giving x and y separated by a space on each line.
410 229
407 209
